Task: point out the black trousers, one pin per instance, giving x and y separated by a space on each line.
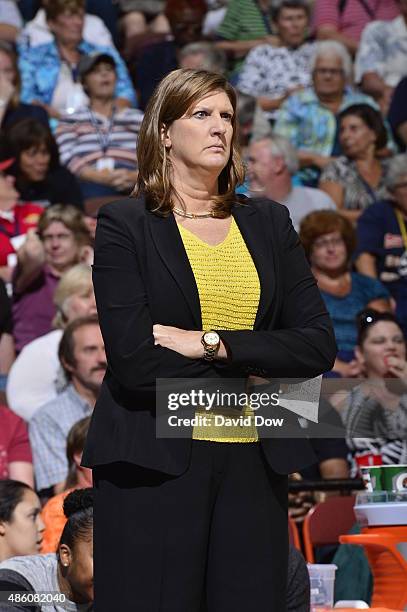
211 540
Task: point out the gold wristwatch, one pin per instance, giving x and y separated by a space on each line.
211 342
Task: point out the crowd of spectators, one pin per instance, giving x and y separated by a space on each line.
322 115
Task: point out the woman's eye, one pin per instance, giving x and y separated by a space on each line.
200 114
227 116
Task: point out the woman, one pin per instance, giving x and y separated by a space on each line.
16 219
308 118
78 478
167 266
98 141
355 180
21 525
36 376
11 107
375 412
329 241
382 237
63 240
49 71
39 176
68 574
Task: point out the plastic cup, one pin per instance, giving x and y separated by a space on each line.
322 580
372 477
394 478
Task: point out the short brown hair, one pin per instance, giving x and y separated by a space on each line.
54 8
66 349
171 100
75 443
71 217
322 222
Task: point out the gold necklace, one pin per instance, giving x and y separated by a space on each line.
190 215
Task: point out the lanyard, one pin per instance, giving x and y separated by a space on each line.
104 138
402 226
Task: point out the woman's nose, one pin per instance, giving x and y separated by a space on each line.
218 125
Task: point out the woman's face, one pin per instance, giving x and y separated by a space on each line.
61 248
7 69
328 253
23 534
100 82
80 570
68 27
34 163
80 304
355 136
292 26
384 339
200 141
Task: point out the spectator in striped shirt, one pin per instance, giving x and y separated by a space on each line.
344 20
98 142
375 412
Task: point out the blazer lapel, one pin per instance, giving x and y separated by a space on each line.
257 239
168 242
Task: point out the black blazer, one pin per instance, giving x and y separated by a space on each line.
142 276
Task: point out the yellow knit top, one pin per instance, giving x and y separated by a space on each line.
229 293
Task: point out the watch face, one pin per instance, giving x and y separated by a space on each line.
211 338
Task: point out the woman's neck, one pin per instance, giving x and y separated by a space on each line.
64 584
69 52
103 106
195 191
334 277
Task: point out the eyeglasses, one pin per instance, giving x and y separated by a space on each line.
324 243
329 71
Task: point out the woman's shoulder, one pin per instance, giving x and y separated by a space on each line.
264 206
361 281
126 208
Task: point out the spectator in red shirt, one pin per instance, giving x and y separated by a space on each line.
15 449
344 20
15 219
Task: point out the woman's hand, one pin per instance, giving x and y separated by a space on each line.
184 342
397 367
187 343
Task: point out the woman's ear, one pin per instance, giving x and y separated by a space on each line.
165 137
359 356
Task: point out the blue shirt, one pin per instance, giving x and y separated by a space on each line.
343 310
379 234
48 429
40 66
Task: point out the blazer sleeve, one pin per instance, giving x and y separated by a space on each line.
124 314
304 344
